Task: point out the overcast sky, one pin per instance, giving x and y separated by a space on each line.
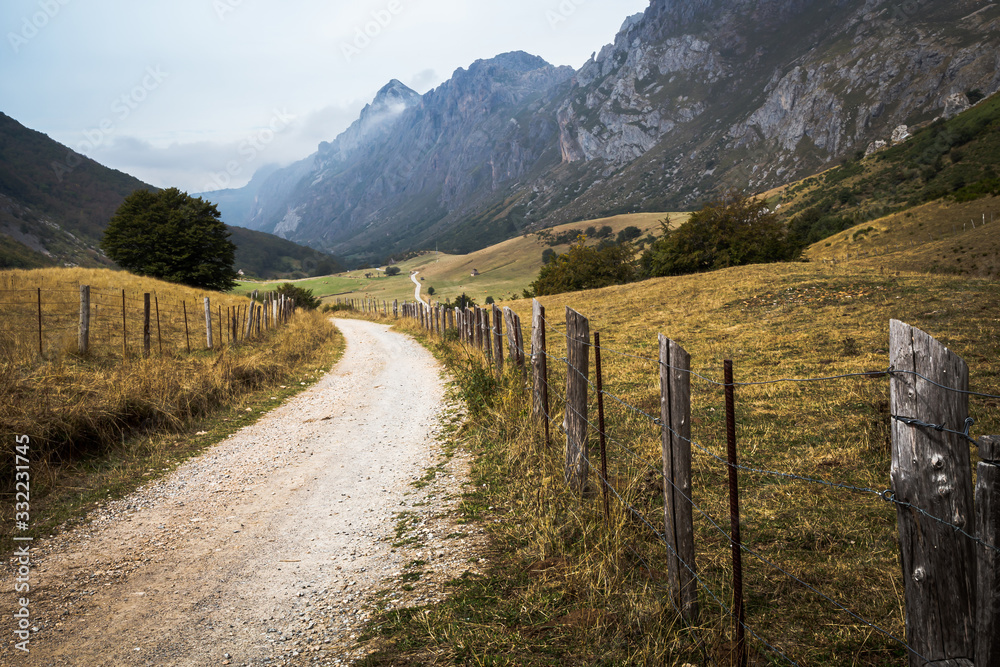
199 94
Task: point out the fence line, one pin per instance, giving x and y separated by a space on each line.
473 327
119 322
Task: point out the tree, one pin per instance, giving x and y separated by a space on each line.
490 301
173 236
304 298
583 267
392 270
733 231
430 291
630 233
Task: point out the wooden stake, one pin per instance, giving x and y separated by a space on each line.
988 559
159 337
146 314
675 415
187 333
575 420
931 470
84 337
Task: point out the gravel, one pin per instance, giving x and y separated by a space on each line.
277 545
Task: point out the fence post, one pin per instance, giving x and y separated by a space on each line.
600 425
675 415
39 321
497 338
159 336
124 330
575 420
208 323
539 366
187 334
734 517
146 313
84 342
988 560
931 470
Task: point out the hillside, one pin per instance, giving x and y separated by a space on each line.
55 204
925 204
693 97
505 269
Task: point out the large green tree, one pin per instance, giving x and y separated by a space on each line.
732 231
173 236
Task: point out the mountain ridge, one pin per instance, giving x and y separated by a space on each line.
693 97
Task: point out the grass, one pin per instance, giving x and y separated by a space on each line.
567 587
100 425
505 269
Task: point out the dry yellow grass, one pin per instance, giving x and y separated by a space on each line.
940 237
774 321
74 407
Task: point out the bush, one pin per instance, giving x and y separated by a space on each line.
733 231
585 268
304 298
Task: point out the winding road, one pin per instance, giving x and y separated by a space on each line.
416 292
239 554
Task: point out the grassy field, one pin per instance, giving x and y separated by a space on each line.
505 269
101 424
940 236
568 588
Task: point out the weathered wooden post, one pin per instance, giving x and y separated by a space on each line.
987 557
931 470
159 336
124 329
39 321
539 367
146 313
575 420
84 337
187 333
675 415
208 323
497 338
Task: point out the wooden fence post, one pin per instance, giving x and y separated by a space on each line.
146 315
539 366
124 329
988 559
84 337
208 323
159 336
675 415
931 470
39 321
497 338
575 421
187 334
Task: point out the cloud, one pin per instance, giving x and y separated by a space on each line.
424 80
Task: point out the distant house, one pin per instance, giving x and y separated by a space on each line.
475 273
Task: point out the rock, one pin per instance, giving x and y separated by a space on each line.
875 147
955 104
900 134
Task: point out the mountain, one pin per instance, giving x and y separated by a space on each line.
55 204
693 97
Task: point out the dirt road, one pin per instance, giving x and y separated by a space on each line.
257 551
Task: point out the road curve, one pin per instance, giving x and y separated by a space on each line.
234 551
416 292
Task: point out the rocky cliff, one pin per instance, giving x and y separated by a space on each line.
694 96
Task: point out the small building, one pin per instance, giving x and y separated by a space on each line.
475 273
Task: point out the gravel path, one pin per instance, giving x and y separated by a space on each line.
416 290
269 548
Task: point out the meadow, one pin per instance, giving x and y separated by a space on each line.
569 587
103 422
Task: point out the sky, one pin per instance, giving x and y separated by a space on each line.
199 94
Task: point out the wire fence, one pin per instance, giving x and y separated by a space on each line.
822 549
117 323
